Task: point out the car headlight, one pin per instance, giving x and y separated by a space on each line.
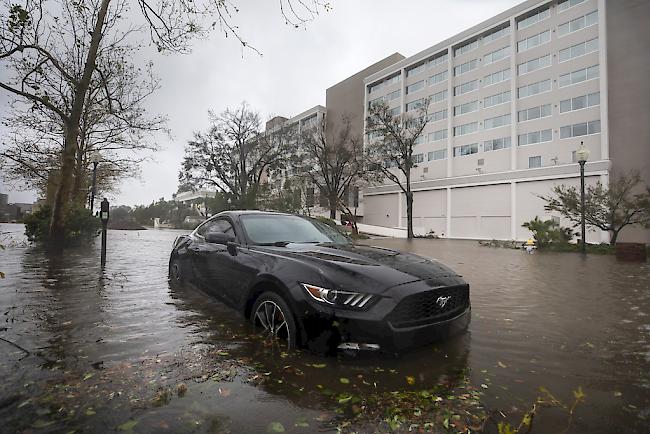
337 298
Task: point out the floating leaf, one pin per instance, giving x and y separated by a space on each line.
410 380
344 399
344 380
222 353
318 365
302 422
484 386
88 376
275 427
502 365
128 425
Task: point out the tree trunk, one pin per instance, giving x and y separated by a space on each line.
614 236
409 213
64 190
333 202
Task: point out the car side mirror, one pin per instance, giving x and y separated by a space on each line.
232 248
218 238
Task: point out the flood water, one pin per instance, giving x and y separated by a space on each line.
119 349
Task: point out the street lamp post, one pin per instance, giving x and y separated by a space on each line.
582 155
95 158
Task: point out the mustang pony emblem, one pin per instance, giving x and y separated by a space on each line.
442 301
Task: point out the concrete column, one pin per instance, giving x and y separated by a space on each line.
602 60
513 94
448 231
513 210
450 110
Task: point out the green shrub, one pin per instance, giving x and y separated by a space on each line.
80 224
547 232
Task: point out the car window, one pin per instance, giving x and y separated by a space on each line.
270 228
217 225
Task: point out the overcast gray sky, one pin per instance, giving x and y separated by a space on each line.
291 76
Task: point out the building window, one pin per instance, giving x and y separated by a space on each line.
496 122
437 59
385 82
535 137
580 102
534 88
466 47
577 24
470 86
496 77
578 50
579 76
534 17
574 157
395 111
440 154
437 116
534 41
496 144
581 129
415 105
419 140
541 111
497 55
469 128
465 67
415 87
418 158
437 135
499 98
437 78
566 4
439 96
534 65
468 107
466 150
496 34
413 71
535 161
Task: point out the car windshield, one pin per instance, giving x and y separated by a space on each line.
270 229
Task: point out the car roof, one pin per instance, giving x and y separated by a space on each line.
238 213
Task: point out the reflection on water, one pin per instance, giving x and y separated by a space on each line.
110 349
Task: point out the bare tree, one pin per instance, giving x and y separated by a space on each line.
390 147
331 163
233 156
35 142
49 45
611 209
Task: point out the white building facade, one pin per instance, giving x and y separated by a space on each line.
511 101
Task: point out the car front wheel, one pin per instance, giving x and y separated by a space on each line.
272 316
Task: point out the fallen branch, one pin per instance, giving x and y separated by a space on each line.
27 352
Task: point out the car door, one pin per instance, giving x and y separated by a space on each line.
199 249
228 276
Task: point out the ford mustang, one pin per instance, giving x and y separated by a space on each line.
305 284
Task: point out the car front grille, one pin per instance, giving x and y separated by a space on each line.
424 308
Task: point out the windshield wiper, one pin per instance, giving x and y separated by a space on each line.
276 243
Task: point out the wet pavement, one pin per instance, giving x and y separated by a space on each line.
121 350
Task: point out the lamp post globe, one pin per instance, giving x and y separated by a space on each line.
582 155
95 157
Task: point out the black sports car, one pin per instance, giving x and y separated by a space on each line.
302 281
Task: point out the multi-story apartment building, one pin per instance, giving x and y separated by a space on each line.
511 99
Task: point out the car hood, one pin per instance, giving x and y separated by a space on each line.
367 268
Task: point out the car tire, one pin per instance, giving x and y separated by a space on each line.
176 272
269 308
